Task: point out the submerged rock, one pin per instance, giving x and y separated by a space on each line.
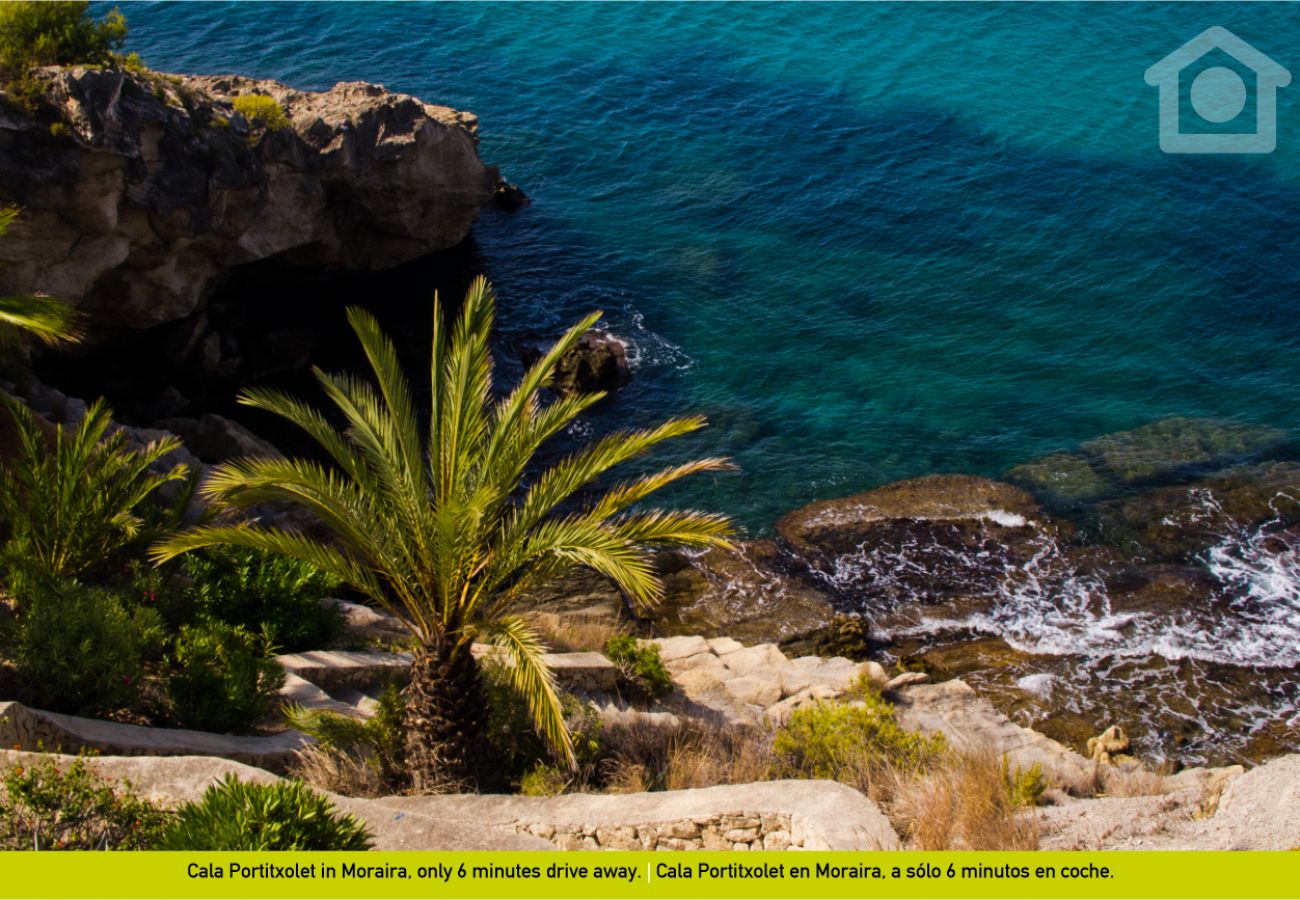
1177 446
1061 479
158 186
743 594
1180 523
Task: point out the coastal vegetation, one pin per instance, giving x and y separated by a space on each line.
59 33
56 33
46 806
443 525
261 111
238 815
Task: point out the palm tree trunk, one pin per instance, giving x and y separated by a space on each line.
445 719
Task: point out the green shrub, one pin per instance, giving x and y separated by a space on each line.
44 807
265 591
80 649
261 111
516 745
287 815
1024 787
81 505
641 666
850 741
222 677
545 780
378 740
57 33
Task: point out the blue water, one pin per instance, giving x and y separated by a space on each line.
869 241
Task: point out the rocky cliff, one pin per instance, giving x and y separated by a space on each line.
140 189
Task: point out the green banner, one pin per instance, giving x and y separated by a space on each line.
746 876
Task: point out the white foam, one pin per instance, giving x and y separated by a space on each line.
1046 606
1005 519
1040 684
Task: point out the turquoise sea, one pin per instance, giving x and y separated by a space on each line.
870 241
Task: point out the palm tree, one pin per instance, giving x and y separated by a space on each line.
446 529
51 320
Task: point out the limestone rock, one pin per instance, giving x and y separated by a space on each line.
159 187
906 679
970 722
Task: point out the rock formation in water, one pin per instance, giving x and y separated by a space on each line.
139 189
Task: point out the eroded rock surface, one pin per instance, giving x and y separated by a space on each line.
155 186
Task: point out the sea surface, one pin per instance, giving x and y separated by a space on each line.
869 241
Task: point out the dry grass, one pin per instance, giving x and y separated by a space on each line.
695 754
963 804
1140 783
340 772
576 633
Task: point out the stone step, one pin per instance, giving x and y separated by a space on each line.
334 670
35 729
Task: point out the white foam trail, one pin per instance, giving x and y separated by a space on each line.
1047 606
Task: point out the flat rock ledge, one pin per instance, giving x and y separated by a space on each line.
34 729
970 723
737 685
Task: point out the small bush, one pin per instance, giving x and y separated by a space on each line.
851 743
57 33
1025 787
222 677
288 815
514 740
641 666
354 756
261 111
545 780
80 504
80 650
44 807
266 591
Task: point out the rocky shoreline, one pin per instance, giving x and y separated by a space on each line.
1109 584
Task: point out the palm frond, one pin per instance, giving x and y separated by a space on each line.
45 318
533 680
439 527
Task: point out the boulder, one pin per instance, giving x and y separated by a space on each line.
1111 747
598 362
158 188
215 438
